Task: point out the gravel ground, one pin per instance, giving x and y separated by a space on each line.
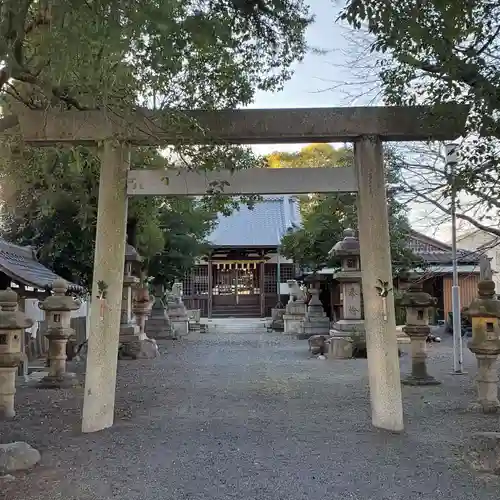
251 416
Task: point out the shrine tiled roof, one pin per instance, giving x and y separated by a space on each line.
433 251
261 226
21 266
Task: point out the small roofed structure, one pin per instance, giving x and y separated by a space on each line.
19 264
240 275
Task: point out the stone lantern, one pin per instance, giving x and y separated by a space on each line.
12 326
484 312
58 309
129 330
349 278
417 304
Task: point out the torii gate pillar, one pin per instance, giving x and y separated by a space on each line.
109 262
380 320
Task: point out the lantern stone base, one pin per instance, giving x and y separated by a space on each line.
341 347
179 326
65 380
293 324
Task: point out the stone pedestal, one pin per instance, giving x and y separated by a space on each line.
58 309
295 310
177 313
316 321
417 304
484 312
12 326
277 321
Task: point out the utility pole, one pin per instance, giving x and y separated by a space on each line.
458 360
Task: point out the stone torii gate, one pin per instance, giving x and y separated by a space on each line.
367 128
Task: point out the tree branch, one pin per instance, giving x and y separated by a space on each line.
446 210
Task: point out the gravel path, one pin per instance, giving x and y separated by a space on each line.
251 416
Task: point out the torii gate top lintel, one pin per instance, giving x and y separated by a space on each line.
244 126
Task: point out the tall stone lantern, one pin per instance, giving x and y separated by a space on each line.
484 312
12 326
58 309
417 304
129 330
349 278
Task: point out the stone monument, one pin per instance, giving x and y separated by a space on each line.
12 326
177 313
484 312
349 277
316 322
417 304
295 310
58 309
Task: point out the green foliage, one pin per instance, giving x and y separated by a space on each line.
115 55
179 53
51 204
186 223
442 51
326 216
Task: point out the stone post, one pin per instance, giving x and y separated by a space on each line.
109 259
58 309
295 310
484 312
417 304
316 322
12 326
376 272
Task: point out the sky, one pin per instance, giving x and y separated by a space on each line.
317 82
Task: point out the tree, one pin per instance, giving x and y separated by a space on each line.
114 56
326 216
51 203
437 52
